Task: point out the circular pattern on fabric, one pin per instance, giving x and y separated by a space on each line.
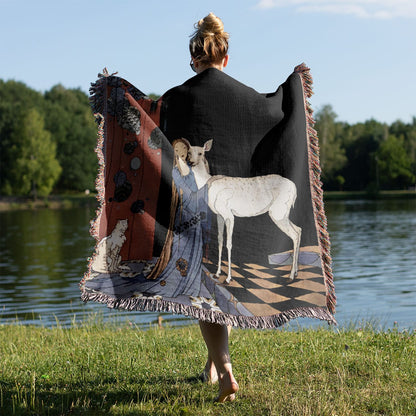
130 118
135 163
130 147
182 266
155 139
121 193
120 177
123 187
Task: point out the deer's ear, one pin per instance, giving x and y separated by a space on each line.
208 145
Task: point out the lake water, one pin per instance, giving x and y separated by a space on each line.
43 257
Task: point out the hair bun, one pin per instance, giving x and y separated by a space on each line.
210 25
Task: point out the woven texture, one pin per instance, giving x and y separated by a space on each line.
210 202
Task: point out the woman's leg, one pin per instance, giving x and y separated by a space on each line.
216 339
210 374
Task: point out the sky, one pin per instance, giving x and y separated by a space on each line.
362 53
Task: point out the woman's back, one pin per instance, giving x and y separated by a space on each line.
213 105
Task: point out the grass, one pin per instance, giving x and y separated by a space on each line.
108 369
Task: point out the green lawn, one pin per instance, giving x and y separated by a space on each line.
122 370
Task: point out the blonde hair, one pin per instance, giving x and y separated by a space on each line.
209 42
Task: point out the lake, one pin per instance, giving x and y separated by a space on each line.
43 257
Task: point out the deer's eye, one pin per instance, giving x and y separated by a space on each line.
200 154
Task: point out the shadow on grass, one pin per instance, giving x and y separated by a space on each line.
101 396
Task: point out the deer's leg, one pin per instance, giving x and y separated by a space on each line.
229 223
279 213
294 232
296 245
220 223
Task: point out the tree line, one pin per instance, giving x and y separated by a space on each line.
47 140
369 156
47 143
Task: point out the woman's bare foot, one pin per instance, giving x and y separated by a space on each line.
228 388
216 339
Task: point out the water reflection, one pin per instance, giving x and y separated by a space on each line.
374 262
43 256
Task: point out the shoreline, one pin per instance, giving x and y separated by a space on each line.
67 201
364 195
61 201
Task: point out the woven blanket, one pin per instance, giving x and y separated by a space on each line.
210 202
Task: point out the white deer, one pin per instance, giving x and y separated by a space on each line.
245 197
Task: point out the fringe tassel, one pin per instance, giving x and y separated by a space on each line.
98 102
255 322
99 181
316 187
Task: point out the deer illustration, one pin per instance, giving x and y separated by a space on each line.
230 197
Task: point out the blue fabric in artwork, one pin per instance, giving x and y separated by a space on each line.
182 274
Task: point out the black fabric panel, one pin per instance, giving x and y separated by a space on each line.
254 134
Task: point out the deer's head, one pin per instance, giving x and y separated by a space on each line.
196 154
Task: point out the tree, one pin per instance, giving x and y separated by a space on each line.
70 120
15 92
8 115
35 167
154 96
394 164
332 154
16 98
408 133
362 141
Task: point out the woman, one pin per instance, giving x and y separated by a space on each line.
182 273
168 246
209 52
214 105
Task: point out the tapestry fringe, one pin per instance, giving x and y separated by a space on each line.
316 187
98 101
245 322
